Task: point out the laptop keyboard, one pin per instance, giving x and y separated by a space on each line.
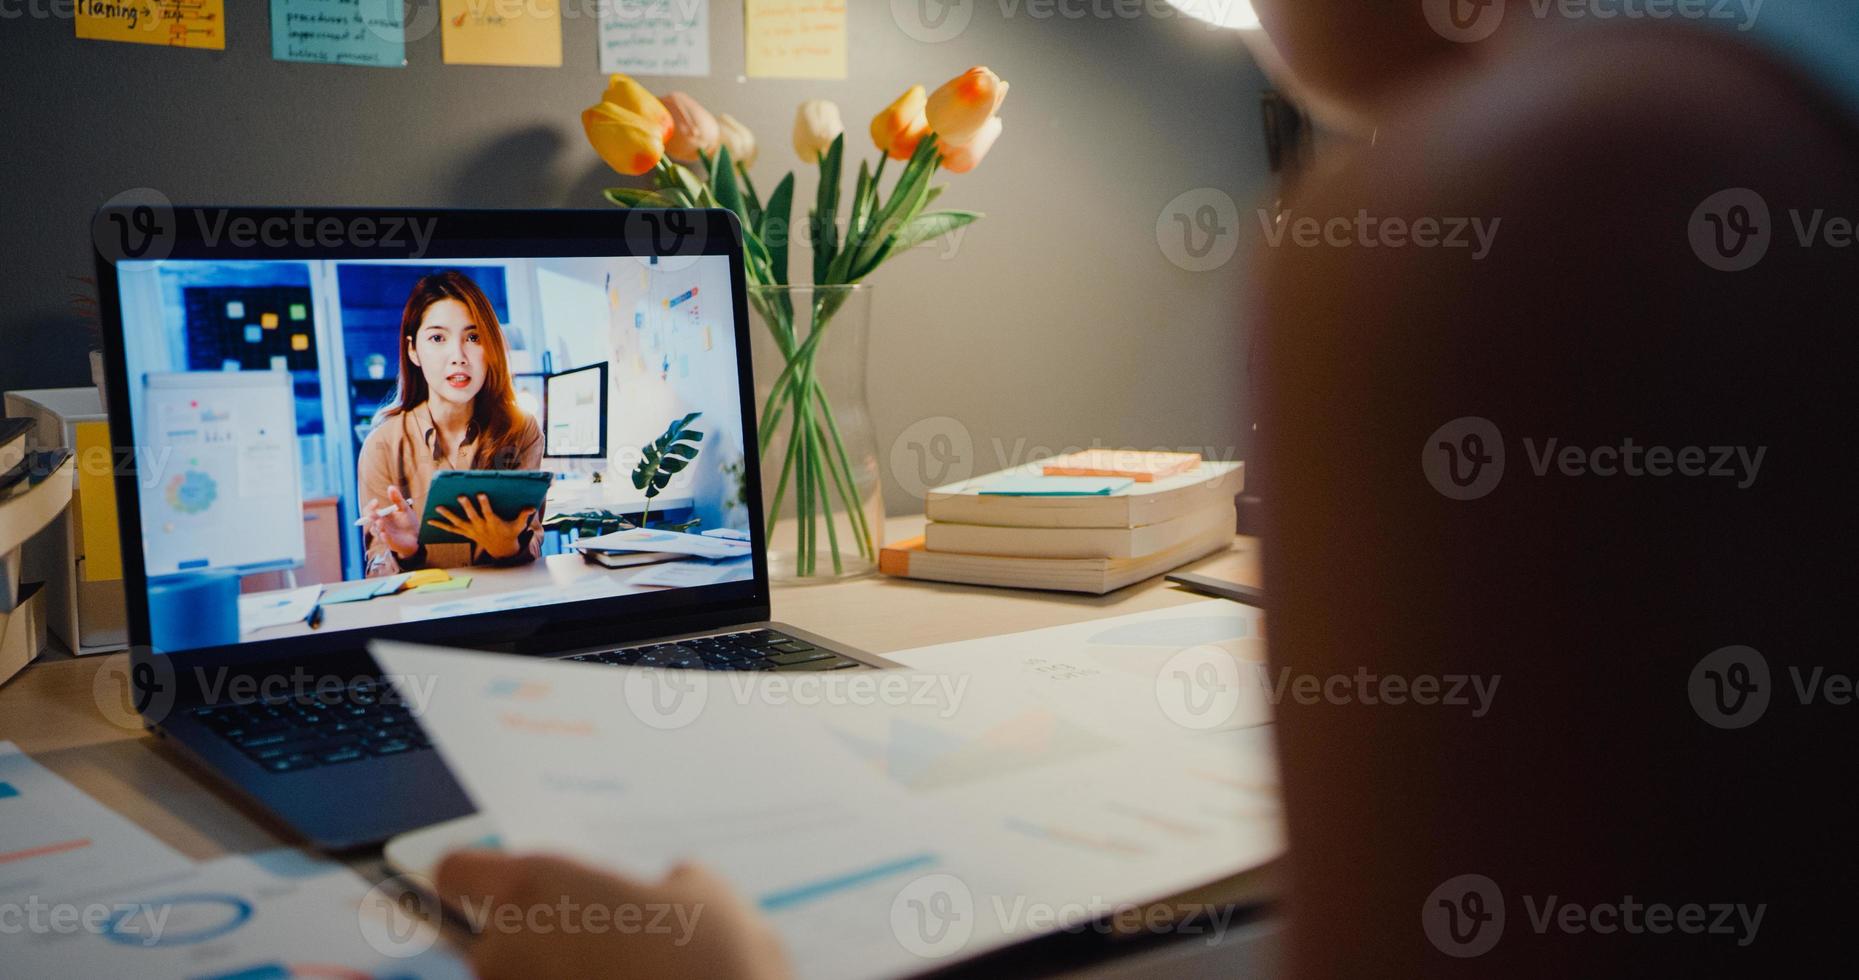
367 720
747 650
322 729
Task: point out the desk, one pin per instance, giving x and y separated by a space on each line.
49 709
560 577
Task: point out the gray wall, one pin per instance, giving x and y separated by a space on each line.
1056 322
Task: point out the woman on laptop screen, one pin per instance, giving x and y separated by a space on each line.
454 409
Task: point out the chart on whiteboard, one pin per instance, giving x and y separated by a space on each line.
223 490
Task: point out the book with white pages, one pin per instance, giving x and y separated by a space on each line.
1137 505
909 559
1078 542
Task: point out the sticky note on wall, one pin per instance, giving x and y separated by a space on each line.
174 23
496 32
655 37
794 38
337 32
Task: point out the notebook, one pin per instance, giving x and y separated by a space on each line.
1139 504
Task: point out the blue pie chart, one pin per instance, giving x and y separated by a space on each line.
185 920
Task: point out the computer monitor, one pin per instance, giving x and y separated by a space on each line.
284 390
574 412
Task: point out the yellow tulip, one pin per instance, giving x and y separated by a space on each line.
962 157
629 143
693 128
900 127
964 104
739 138
816 126
633 97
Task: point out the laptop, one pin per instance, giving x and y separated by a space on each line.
287 384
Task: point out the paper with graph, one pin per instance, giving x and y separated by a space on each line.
885 820
274 914
55 840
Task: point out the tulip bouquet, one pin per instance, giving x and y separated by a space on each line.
951 129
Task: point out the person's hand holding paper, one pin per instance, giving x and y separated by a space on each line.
691 924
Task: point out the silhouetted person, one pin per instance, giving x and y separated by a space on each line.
1603 337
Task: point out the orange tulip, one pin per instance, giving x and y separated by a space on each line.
623 138
900 127
693 128
964 104
962 157
633 97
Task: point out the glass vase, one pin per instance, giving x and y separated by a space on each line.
819 453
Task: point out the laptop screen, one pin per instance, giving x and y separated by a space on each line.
331 444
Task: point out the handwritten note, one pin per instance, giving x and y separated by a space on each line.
339 32
174 23
655 37
795 38
501 32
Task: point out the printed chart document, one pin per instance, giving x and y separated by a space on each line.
274 914
887 821
1199 666
55 840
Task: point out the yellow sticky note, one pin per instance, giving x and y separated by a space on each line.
269 321
795 38
175 23
496 32
426 576
300 341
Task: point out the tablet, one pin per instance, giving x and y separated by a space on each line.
510 491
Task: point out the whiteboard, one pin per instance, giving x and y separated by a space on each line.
218 478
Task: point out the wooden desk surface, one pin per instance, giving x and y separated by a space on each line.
50 710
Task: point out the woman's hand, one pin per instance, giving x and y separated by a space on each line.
493 535
400 529
532 916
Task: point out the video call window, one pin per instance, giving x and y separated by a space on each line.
293 415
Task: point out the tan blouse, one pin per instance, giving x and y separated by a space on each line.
404 451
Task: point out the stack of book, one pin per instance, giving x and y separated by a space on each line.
1089 522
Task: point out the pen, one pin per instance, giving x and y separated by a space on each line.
383 512
316 617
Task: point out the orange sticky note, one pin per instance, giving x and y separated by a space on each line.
268 320
173 23
488 32
300 341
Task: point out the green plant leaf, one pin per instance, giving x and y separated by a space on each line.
638 197
691 193
665 456
863 192
777 231
906 200
924 227
723 185
750 199
824 226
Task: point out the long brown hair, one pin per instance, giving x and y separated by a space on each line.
496 421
